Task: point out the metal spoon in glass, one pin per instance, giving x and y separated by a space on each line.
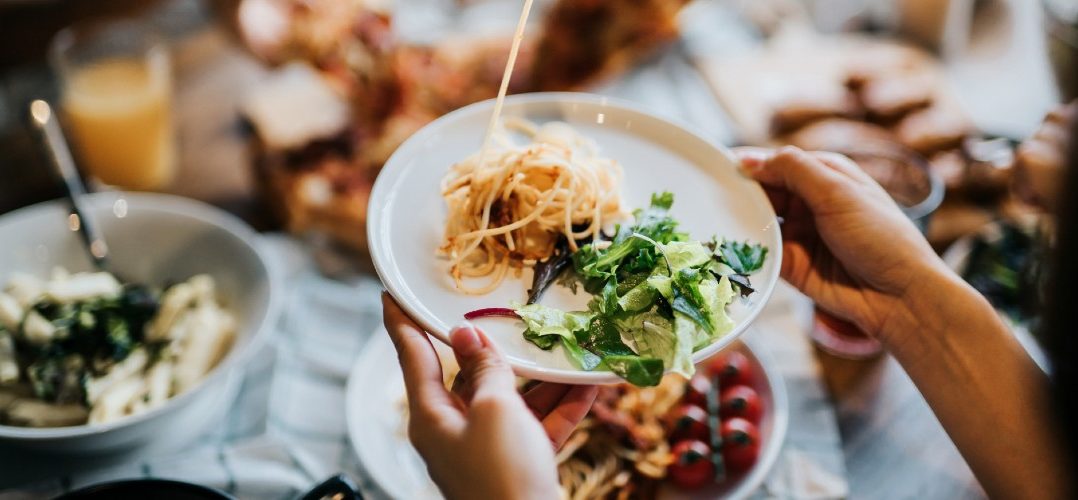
80 219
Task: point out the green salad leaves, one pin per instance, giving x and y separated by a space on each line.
657 297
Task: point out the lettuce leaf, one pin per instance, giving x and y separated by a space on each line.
662 284
685 297
639 298
634 327
657 298
542 320
742 257
653 222
603 337
684 307
717 295
546 325
654 336
544 342
586 360
643 372
684 254
606 301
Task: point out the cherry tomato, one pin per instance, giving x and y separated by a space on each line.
732 368
740 444
697 389
687 422
740 401
692 467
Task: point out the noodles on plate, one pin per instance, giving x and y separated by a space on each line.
620 449
510 204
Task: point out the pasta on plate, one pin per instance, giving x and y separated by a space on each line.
509 204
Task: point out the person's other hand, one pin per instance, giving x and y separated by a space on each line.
846 244
482 439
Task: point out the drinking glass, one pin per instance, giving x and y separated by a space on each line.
907 177
116 86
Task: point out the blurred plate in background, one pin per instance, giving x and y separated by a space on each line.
377 425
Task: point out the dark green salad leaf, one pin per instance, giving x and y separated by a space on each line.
736 261
657 297
742 257
90 335
635 254
547 271
603 337
643 372
693 312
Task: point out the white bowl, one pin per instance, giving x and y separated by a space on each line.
374 403
153 239
407 216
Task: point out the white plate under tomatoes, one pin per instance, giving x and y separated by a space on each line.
374 406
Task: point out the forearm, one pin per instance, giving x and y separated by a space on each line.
984 388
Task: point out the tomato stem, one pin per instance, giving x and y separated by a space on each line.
713 406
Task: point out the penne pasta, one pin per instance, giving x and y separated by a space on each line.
24 288
9 367
133 365
82 286
207 338
137 347
159 384
37 330
173 303
116 400
11 312
30 412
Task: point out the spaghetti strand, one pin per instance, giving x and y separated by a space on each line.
510 204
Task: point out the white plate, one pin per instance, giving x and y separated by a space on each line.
407 216
374 403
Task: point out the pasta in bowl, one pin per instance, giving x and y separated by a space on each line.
92 361
84 348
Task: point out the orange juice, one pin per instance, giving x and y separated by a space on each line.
118 112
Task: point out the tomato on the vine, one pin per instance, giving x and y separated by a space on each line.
687 422
692 467
731 368
697 389
740 401
740 444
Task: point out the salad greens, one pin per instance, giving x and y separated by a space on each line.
88 337
658 296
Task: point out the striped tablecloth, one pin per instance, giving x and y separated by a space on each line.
285 430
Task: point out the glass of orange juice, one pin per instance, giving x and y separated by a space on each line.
116 86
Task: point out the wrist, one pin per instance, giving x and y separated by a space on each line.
939 302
